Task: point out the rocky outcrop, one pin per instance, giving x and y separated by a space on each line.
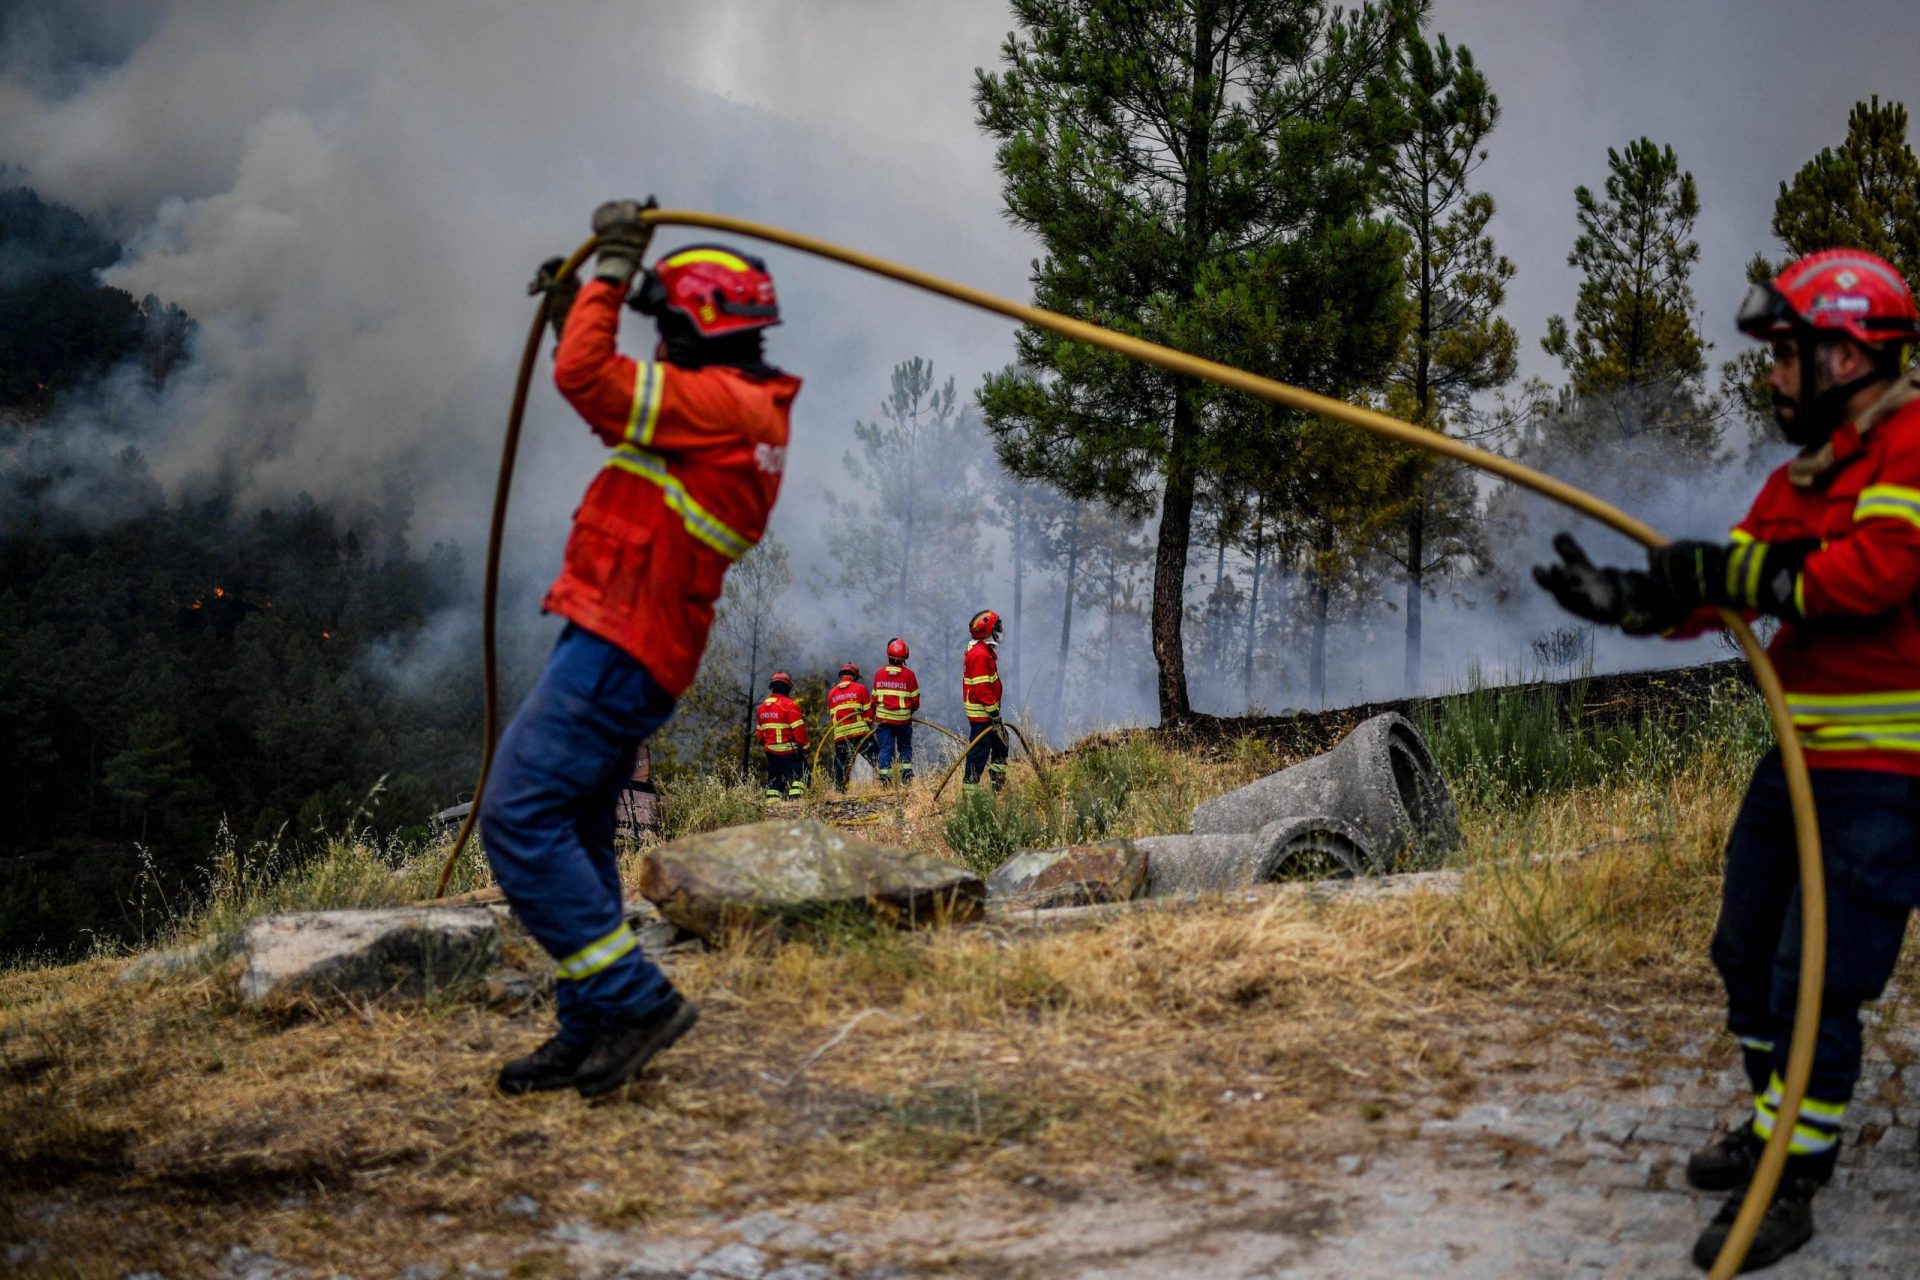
408 950
781 874
1381 780
1073 876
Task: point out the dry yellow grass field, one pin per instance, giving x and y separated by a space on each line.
864 1066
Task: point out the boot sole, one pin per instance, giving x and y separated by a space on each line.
647 1050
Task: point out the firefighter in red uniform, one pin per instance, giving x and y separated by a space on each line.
783 737
1832 549
850 710
896 691
980 699
698 436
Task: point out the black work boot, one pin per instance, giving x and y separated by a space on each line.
1728 1163
1787 1226
551 1066
623 1048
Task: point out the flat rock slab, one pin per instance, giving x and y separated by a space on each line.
781 874
408 950
1081 875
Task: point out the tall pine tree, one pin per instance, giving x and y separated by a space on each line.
1199 173
1634 354
1458 344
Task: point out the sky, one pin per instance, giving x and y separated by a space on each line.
350 196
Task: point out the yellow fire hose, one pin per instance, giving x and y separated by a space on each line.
1799 789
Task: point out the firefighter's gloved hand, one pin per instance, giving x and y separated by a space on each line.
1763 577
623 239
560 291
1638 603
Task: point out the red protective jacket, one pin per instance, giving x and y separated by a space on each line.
851 708
980 681
781 727
897 691
696 465
1851 669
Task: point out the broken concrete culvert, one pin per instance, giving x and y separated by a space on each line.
1306 848
1380 781
775 875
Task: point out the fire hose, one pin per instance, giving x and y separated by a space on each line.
1799 789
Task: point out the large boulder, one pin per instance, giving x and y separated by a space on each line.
1074 876
777 874
1293 848
1381 779
409 950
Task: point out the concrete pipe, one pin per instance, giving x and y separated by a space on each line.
1315 847
1381 778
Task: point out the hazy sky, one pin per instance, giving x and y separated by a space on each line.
350 196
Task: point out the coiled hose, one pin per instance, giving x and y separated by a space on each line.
1813 902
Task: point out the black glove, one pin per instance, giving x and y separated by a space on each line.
623 238
1638 603
560 292
1761 576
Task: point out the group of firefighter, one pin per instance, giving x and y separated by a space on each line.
877 723
698 441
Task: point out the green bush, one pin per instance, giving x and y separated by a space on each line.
985 829
708 802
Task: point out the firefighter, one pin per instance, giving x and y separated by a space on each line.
896 692
980 698
1831 548
850 711
698 436
783 737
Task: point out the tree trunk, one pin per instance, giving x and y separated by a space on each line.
1170 568
1054 725
1176 505
906 541
1106 680
753 685
1416 587
1011 684
1322 602
1253 612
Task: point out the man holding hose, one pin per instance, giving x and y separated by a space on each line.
1831 548
699 441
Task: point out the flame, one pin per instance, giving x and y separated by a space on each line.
218 592
326 635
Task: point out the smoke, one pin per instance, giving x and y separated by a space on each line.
349 196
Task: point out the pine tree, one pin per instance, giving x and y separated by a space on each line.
907 540
1634 354
1199 173
1863 194
1458 344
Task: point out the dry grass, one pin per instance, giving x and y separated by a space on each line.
1169 1040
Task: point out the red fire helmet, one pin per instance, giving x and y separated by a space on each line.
848 669
1841 292
719 290
780 683
985 625
896 650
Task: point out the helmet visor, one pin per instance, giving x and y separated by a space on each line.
1766 313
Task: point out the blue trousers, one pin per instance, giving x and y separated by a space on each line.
547 819
987 756
845 752
896 739
1870 844
785 770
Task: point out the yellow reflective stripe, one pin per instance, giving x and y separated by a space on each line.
1886 704
1887 511
719 257
1891 492
701 523
1739 535
978 679
596 956
1800 594
648 384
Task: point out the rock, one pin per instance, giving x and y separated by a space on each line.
150 966
1381 779
1294 848
783 873
1073 876
413 950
